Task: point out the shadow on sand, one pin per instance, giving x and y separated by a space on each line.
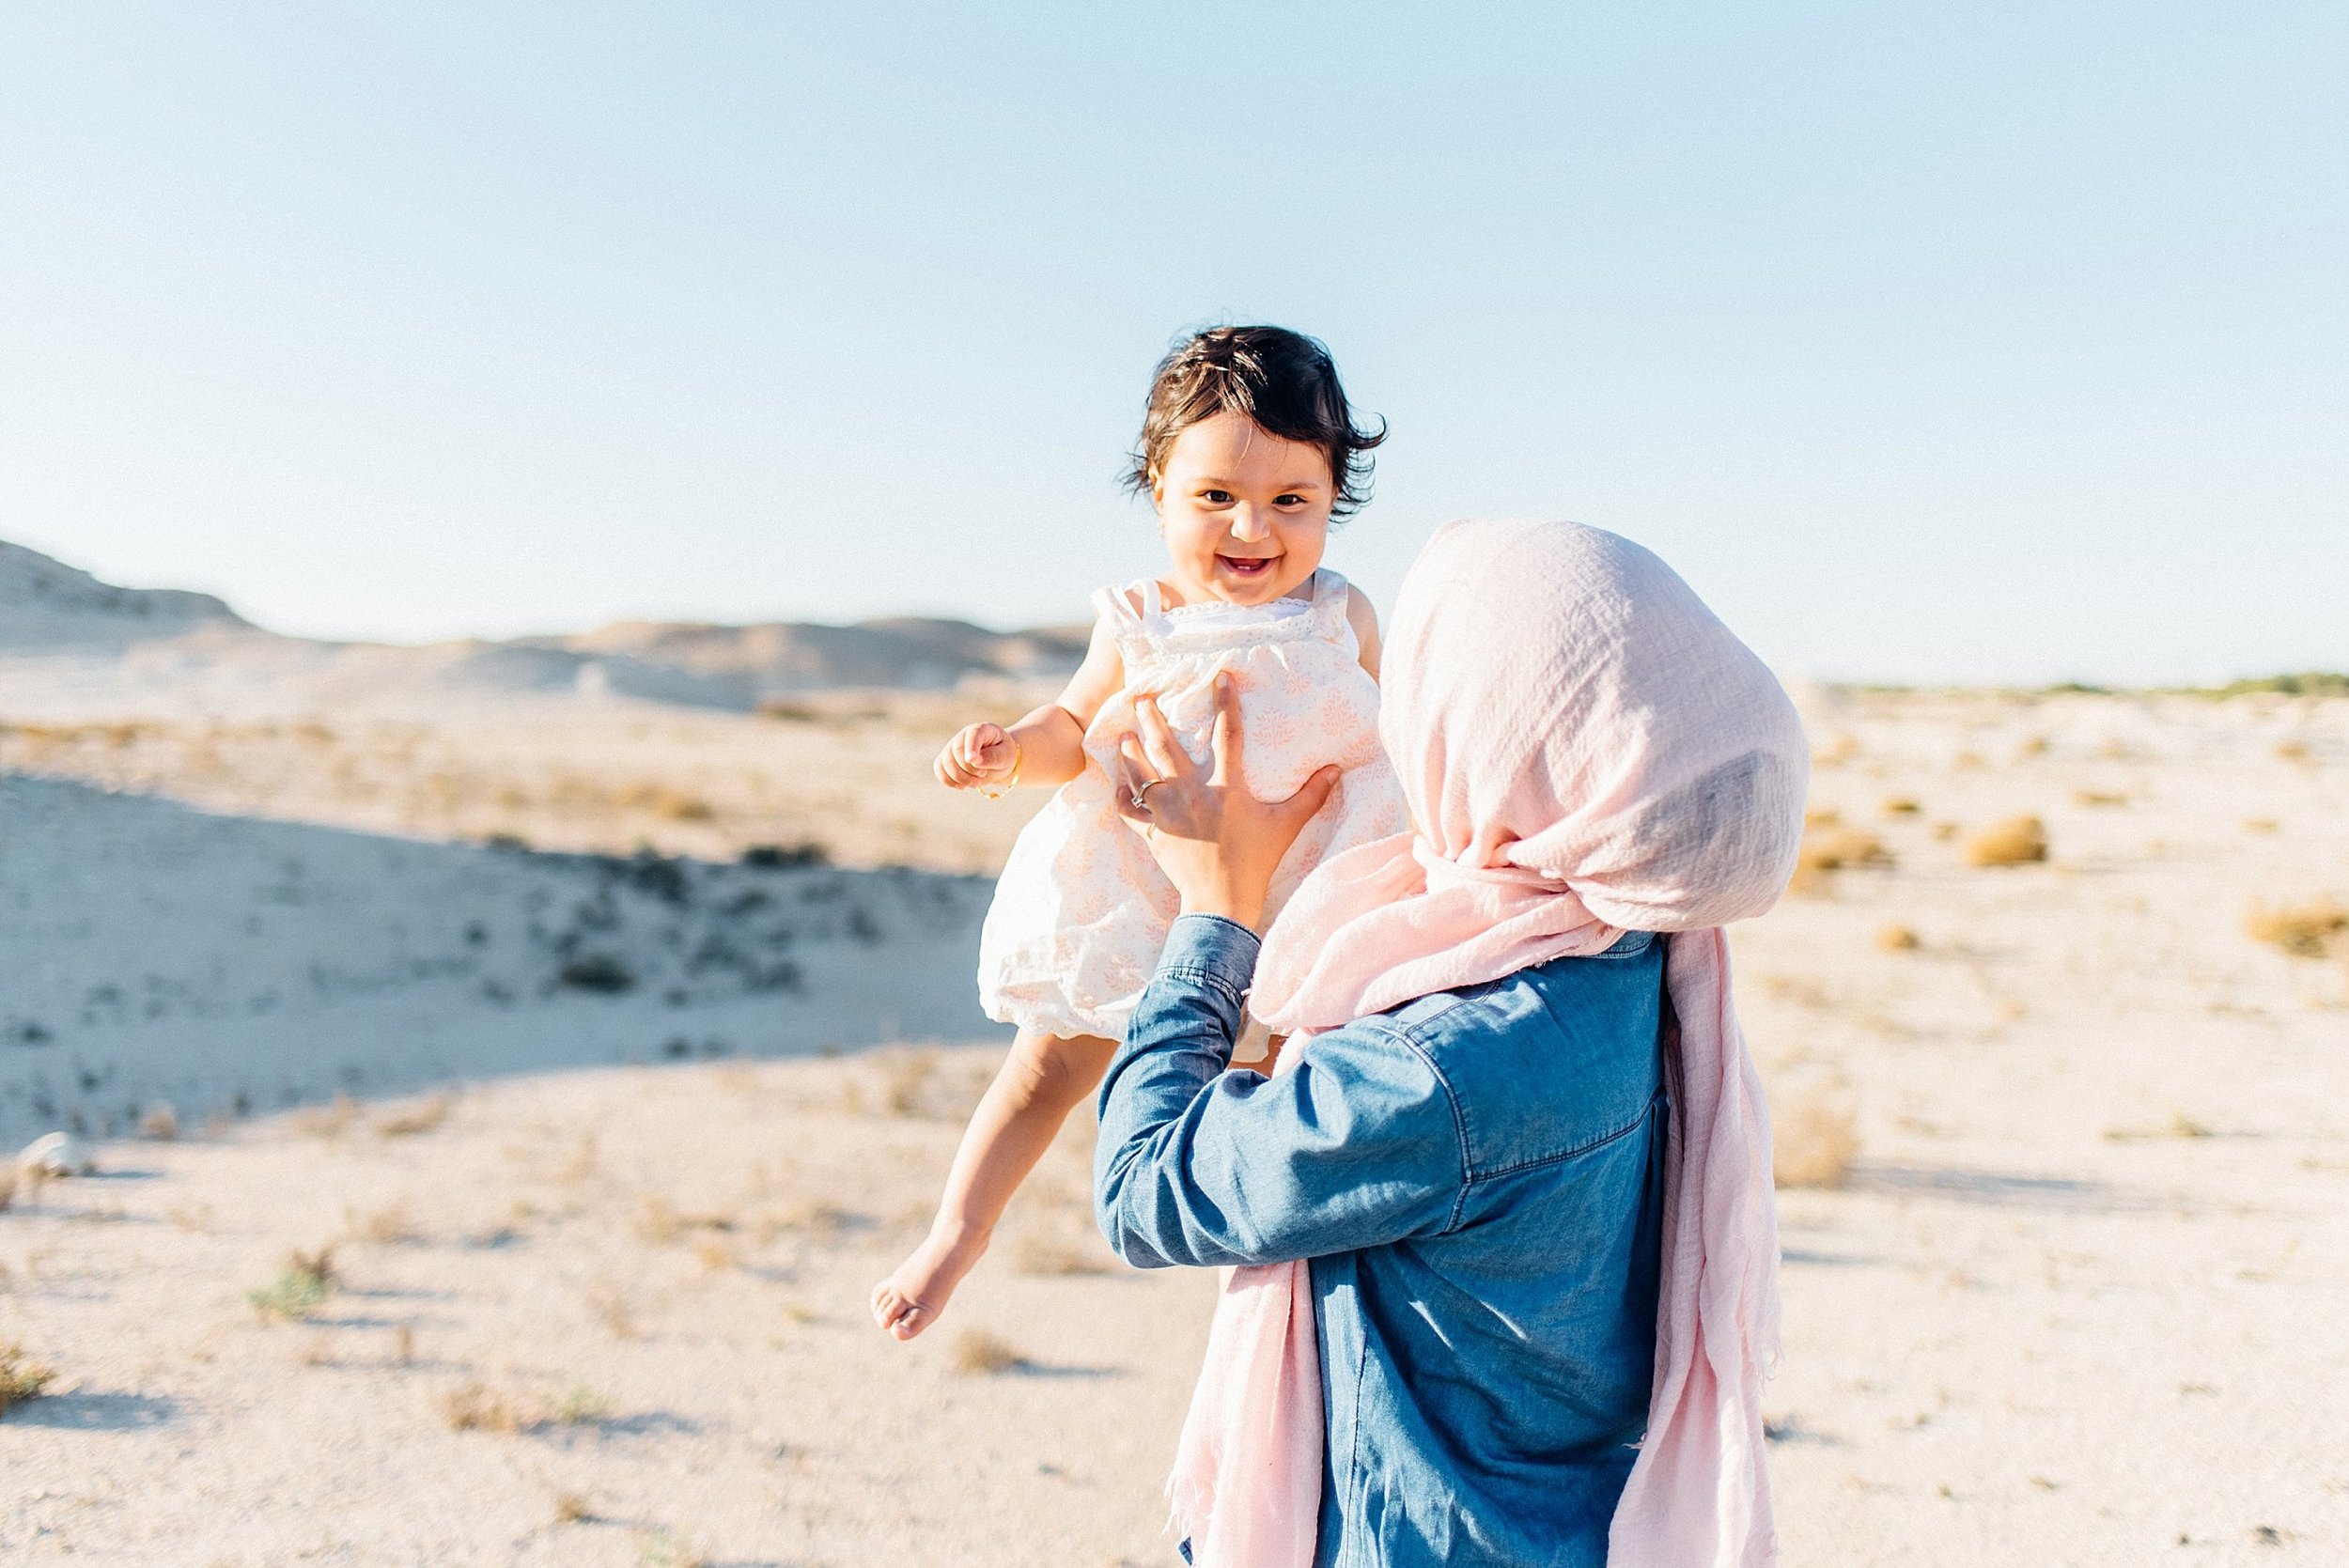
93 1412
229 965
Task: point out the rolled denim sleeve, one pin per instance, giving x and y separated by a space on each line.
1355 1146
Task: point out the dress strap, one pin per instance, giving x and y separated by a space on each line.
1329 599
1115 606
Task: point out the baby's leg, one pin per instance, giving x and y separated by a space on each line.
1041 1081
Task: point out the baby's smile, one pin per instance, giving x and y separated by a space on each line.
1247 566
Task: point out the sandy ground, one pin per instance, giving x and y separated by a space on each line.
2073 1290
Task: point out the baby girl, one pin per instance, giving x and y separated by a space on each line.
1250 453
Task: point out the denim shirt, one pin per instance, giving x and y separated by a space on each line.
1477 1180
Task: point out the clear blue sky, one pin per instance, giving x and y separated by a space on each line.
1997 341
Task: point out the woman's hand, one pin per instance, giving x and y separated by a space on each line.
980 757
1217 842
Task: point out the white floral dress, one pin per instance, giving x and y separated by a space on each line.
1081 910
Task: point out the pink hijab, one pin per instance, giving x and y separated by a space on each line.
1586 750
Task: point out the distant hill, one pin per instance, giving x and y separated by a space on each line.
70 643
44 602
782 655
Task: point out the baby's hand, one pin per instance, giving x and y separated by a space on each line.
980 757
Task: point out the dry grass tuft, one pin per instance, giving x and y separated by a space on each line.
478 1408
1903 805
20 1376
611 1309
390 1225
2179 1125
1054 1256
1828 847
425 1116
2303 930
2096 798
571 1508
904 1078
582 1407
660 1220
659 1548
1814 1143
160 1123
980 1353
2016 841
301 1286
1898 938
328 1121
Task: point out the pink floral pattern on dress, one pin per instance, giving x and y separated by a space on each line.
1081 909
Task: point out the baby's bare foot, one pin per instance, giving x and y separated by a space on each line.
911 1299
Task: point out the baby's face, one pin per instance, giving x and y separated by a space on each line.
1246 512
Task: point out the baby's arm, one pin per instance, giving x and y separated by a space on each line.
1048 746
1364 620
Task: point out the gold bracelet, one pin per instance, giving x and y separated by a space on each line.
1018 755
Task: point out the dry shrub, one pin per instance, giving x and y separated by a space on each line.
1059 1257
1903 805
1828 847
2293 751
1836 752
903 1080
662 1548
2094 798
671 805
1898 938
715 1255
2179 1125
160 1123
2303 930
301 1286
581 1163
571 1508
980 1353
582 1407
2016 841
20 1376
425 1116
387 1226
611 1309
823 1221
660 1220
2260 825
1814 1143
330 1121
478 1408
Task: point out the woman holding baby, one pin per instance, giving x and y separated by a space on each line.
1498 1221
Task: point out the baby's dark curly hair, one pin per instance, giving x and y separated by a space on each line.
1284 380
